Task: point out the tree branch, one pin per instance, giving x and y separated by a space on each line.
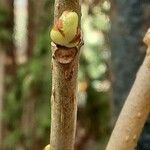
64 85
135 111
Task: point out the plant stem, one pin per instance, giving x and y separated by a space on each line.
64 87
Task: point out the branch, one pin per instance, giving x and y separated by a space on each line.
135 111
64 84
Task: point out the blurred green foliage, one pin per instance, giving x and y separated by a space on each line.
94 71
35 77
5 34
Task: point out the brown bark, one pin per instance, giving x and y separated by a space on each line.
135 110
64 85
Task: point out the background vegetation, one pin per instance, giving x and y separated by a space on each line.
25 70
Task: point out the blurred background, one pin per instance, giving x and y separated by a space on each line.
112 53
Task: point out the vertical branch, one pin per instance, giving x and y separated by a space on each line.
135 110
63 105
64 85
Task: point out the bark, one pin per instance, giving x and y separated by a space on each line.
144 142
64 85
2 72
135 110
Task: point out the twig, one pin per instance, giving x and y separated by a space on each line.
64 86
